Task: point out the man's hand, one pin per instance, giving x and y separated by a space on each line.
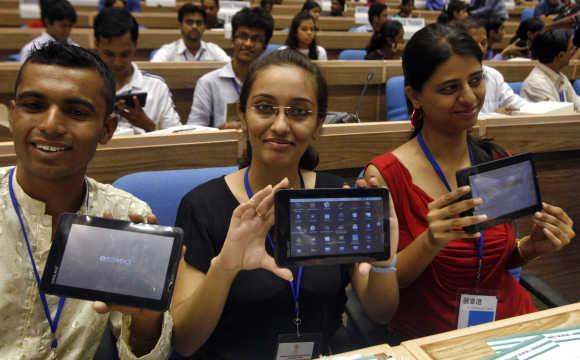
135 114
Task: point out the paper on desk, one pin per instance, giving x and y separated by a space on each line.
537 348
546 107
181 128
567 338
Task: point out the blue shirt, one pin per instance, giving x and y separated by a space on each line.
489 8
544 8
435 4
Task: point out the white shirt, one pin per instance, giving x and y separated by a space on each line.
177 51
320 51
37 43
24 330
498 93
363 28
159 106
544 83
213 92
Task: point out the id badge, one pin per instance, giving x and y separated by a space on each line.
303 347
476 307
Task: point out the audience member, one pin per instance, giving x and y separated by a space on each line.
495 30
192 23
58 18
267 5
521 42
377 16
129 5
302 37
499 96
228 281
63 100
116 33
546 8
437 258
485 9
212 7
455 10
313 9
553 48
336 8
406 8
252 30
388 43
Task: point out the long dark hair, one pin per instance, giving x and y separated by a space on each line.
385 37
309 159
292 39
448 12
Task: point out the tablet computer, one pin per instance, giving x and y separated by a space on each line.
128 98
114 261
508 187
331 226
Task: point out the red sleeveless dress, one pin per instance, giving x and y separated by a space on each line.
429 305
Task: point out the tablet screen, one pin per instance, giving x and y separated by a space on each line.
504 190
115 261
336 226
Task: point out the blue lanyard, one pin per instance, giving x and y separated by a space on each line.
52 322
237 87
437 168
294 287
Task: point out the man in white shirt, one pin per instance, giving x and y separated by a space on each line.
116 33
252 29
553 48
192 24
63 100
58 17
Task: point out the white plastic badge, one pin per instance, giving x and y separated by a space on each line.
476 309
361 15
295 351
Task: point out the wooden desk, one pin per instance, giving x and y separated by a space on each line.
398 352
13 39
11 17
469 343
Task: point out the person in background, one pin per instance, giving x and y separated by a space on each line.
336 8
546 8
521 43
495 30
252 30
231 300
116 33
553 48
499 96
455 10
314 9
129 5
378 14
485 9
192 23
267 5
437 259
387 43
63 100
406 8
302 37
58 18
212 7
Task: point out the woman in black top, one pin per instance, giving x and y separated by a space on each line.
231 300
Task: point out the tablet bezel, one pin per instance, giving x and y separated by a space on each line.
57 249
282 226
463 175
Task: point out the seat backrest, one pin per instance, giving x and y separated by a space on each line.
516 86
271 48
352 54
577 86
396 101
163 190
527 13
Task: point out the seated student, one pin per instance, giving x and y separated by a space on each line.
546 8
521 42
485 9
212 7
314 9
58 17
228 281
378 14
495 30
252 30
129 5
116 33
388 43
63 100
406 9
302 37
267 5
553 48
436 257
192 21
499 96
336 8
455 10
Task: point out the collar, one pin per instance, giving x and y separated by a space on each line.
50 38
136 82
556 78
227 71
182 49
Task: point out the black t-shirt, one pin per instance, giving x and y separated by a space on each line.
260 305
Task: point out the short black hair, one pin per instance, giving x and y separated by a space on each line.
577 37
110 23
110 3
217 3
493 23
375 11
190 8
548 44
255 17
529 25
75 57
263 3
57 10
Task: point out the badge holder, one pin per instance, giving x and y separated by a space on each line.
476 306
298 346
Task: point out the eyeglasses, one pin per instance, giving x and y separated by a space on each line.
292 112
253 38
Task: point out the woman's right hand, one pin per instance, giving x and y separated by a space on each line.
245 244
445 222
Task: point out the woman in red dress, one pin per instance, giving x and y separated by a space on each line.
437 259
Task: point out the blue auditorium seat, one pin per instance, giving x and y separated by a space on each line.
352 54
516 86
527 13
396 101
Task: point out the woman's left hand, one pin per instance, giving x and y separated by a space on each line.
553 229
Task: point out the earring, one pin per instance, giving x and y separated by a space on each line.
416 118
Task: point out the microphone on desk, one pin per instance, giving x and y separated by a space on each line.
333 117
